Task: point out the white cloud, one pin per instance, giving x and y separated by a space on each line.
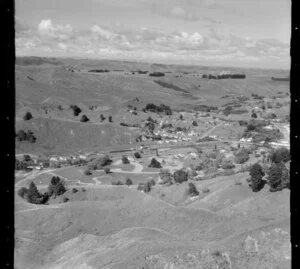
102 32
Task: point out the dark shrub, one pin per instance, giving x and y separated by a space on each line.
27 116
102 118
128 182
87 172
74 190
192 190
107 170
280 155
181 117
137 155
110 118
66 199
195 123
76 110
84 118
254 115
256 173
155 164
147 187
125 160
180 176
22 192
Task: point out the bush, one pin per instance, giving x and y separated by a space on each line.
125 160
180 176
110 118
194 123
278 177
152 182
87 172
242 156
254 115
27 116
280 155
205 190
137 155
155 164
74 190
128 182
102 118
181 117
227 164
192 190
22 192
256 173
76 110
66 199
166 176
22 135
107 170
84 118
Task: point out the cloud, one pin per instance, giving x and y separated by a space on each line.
147 44
47 28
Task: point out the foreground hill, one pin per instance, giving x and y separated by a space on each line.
119 227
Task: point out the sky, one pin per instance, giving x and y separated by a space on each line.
239 33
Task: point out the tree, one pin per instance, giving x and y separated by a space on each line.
280 155
84 118
195 123
27 116
125 160
22 192
192 190
154 164
254 115
278 177
256 173
33 195
76 110
137 155
128 182
180 176
102 118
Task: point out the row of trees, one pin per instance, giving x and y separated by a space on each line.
32 194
